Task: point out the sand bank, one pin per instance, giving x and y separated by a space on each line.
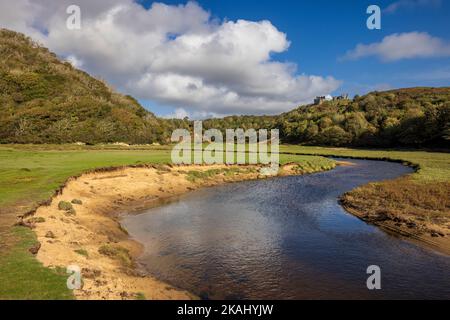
90 235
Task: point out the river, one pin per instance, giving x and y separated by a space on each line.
285 238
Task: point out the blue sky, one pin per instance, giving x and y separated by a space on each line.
322 31
220 57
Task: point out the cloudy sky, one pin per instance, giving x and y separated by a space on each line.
221 57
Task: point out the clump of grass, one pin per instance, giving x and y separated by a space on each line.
140 296
118 253
233 171
312 167
82 252
67 207
36 220
64 205
194 176
77 201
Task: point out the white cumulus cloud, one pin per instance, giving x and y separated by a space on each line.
175 55
400 46
411 4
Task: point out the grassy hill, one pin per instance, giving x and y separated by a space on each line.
45 100
414 117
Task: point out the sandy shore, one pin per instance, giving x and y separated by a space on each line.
90 236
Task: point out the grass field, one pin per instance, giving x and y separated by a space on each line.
433 166
30 174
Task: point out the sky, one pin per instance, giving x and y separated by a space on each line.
221 57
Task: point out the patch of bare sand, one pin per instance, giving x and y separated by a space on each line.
345 163
93 238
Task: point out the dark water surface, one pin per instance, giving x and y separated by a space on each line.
285 238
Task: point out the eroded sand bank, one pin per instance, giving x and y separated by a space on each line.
92 237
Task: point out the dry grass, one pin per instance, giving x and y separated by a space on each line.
118 253
422 207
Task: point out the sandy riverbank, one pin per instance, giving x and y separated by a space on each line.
92 238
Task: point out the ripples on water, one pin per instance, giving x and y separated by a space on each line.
284 238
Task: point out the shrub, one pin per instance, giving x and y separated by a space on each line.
118 253
67 207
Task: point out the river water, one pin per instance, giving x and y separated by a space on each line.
285 238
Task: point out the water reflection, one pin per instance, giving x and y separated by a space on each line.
285 238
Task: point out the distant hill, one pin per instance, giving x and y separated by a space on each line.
414 117
44 100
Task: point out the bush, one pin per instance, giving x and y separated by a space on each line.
118 253
67 207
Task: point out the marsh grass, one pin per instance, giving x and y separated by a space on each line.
118 253
403 200
195 175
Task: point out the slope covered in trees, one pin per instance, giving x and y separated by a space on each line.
415 117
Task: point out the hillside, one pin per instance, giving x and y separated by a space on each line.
44 100
414 117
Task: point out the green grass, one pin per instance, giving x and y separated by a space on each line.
23 277
433 166
140 296
34 175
